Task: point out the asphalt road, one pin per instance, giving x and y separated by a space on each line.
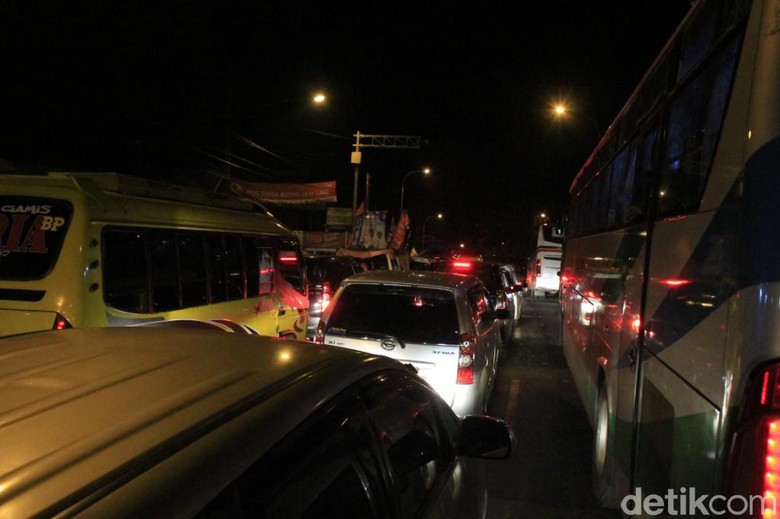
548 475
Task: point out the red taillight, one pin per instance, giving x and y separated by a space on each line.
771 470
754 465
60 323
466 360
461 265
675 282
287 257
319 334
538 267
326 292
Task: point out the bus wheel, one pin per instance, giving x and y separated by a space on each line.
603 480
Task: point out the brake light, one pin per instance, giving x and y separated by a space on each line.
461 265
754 466
466 359
288 257
772 470
60 323
538 267
319 334
326 292
673 282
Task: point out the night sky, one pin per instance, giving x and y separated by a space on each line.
166 89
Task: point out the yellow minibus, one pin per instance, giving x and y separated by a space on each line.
103 249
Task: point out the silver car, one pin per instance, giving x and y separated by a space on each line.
442 324
156 422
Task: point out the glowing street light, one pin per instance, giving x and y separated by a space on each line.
561 110
319 98
424 171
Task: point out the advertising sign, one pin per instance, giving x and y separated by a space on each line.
285 194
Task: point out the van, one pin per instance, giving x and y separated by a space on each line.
153 422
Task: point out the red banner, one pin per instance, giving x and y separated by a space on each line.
324 240
286 193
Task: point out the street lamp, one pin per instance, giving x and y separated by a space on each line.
562 111
437 215
424 171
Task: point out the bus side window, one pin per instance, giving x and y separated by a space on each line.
622 185
165 271
251 265
695 120
234 270
216 257
125 273
192 269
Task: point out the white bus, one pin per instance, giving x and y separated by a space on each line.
79 249
542 276
671 268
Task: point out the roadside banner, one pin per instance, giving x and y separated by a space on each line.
324 240
285 194
370 231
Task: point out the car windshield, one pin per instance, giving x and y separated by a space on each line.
413 314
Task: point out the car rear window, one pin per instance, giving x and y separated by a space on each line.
32 231
421 315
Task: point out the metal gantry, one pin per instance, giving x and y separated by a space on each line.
365 140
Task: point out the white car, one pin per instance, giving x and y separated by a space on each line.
178 422
443 324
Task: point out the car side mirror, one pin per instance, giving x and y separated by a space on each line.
485 437
502 313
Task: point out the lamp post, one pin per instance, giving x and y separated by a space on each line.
437 215
424 171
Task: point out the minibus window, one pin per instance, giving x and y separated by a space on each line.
165 271
217 268
125 274
266 257
234 271
251 265
192 265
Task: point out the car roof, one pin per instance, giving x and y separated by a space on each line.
79 403
444 280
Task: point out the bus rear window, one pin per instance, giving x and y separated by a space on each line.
32 231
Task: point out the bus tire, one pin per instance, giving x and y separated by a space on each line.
603 461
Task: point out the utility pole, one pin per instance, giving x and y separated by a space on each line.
407 142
